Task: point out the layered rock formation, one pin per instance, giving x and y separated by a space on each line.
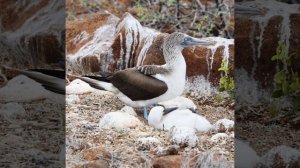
257 38
32 33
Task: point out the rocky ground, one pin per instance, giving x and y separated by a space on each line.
32 134
264 131
31 125
141 146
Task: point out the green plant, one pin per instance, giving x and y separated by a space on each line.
226 82
145 13
286 80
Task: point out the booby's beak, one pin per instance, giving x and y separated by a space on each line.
190 41
246 10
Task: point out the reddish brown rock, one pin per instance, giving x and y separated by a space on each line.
94 164
88 24
173 161
95 153
91 64
31 33
13 16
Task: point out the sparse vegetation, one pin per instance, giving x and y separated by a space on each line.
193 18
287 81
226 82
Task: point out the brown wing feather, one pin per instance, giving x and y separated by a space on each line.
138 86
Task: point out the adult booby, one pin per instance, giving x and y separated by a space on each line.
149 84
52 80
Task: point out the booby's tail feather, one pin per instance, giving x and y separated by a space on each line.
99 78
54 89
51 72
98 82
52 80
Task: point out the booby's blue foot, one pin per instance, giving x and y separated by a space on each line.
145 113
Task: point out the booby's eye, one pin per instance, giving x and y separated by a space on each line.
187 39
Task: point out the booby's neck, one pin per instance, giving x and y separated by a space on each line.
173 55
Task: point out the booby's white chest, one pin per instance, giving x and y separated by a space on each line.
175 80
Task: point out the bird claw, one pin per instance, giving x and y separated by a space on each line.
146 69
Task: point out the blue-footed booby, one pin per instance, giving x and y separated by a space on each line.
52 80
149 84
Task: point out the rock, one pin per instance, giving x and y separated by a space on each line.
180 102
71 99
281 156
178 118
78 86
257 39
183 136
119 120
33 32
173 161
245 156
219 138
80 32
147 142
95 153
128 110
88 47
213 158
224 125
10 111
22 89
169 150
94 164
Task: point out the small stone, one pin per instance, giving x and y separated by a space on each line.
171 161
95 164
146 143
213 158
95 153
219 137
224 125
107 142
119 120
183 136
170 150
128 110
78 86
